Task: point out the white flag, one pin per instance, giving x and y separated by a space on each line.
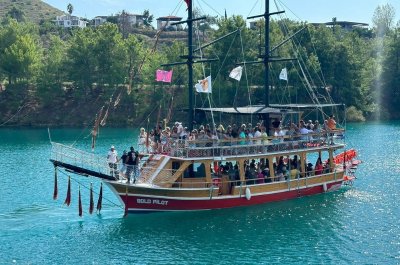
283 74
204 86
236 73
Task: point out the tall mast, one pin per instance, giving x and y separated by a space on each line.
266 55
266 58
190 63
189 59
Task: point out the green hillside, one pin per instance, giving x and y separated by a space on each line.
33 10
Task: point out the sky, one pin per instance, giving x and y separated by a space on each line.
315 11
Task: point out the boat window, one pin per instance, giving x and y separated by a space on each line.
225 168
195 170
176 165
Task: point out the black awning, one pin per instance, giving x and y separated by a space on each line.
247 110
304 106
273 109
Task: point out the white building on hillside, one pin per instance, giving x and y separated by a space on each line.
131 19
99 20
165 22
68 21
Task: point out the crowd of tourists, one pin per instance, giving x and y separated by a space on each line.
160 140
259 172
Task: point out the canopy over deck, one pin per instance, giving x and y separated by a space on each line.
274 109
247 110
305 106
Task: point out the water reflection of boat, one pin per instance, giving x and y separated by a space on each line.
222 172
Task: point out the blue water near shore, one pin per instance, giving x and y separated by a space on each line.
352 226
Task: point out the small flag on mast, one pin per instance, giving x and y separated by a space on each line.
204 86
236 73
187 4
164 76
283 74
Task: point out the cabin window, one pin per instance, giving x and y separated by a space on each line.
176 165
228 169
195 170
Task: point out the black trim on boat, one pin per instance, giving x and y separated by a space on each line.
81 171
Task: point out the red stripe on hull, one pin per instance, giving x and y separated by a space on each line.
142 203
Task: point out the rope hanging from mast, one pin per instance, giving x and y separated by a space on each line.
101 118
245 73
96 127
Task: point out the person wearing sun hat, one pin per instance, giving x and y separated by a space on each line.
180 130
221 129
112 159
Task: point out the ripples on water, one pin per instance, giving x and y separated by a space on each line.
353 226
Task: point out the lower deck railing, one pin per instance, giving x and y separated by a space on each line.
223 181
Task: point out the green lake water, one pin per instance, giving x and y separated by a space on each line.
360 225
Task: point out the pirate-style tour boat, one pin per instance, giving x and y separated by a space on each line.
241 165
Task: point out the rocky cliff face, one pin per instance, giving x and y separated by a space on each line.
32 10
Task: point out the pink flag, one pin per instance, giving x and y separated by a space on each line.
164 76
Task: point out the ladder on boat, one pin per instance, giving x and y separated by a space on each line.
152 167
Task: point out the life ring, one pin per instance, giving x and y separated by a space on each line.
248 194
348 178
216 182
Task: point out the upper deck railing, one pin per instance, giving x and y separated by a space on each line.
243 147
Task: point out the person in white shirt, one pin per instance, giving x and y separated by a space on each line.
304 131
185 133
257 135
180 130
112 159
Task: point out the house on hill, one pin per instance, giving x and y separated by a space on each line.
133 20
68 21
99 20
254 25
346 25
165 22
130 19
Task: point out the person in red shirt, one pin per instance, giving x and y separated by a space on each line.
318 167
332 122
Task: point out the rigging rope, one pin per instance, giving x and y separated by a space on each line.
204 75
320 76
101 119
245 73
15 114
211 8
314 95
251 10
